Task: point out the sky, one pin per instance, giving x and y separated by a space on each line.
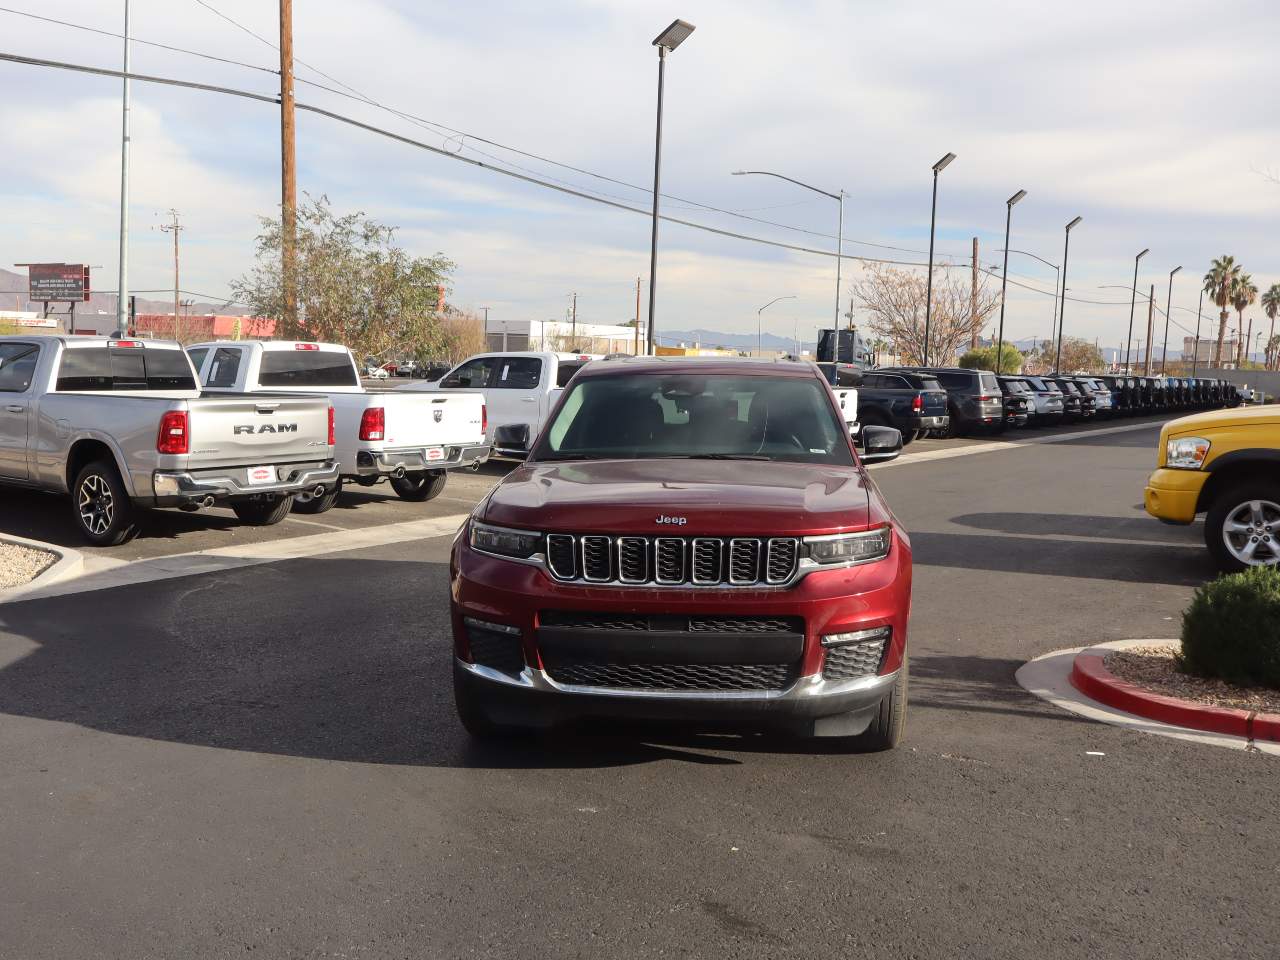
1151 120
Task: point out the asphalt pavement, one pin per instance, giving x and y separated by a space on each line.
267 760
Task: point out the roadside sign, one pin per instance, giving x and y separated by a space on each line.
57 282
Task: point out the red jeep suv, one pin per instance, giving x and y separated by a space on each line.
692 541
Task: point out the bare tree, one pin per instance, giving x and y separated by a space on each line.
895 300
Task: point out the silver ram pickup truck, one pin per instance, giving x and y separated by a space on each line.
121 425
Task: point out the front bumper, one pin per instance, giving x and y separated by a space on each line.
811 706
173 488
1173 495
516 596
377 463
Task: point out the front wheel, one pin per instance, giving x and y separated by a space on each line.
885 729
418 486
309 503
103 511
1242 528
264 510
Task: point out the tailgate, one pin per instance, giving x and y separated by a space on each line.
258 429
935 402
447 418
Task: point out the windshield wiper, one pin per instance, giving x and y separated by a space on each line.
718 456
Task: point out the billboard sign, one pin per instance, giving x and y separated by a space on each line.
61 282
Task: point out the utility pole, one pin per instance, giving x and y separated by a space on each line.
973 290
637 346
288 171
1247 337
122 286
1151 316
573 323
175 228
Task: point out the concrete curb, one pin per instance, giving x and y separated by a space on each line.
68 563
1090 676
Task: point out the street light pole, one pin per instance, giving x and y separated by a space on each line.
760 322
839 198
933 217
122 287
1062 311
1168 308
1004 274
1133 299
1195 353
666 41
1056 276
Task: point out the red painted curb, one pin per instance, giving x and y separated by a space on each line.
1090 676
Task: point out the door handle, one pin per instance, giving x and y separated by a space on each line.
15 407
528 399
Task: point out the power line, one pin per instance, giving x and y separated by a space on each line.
526 178
145 43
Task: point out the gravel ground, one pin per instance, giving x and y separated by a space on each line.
19 565
1154 668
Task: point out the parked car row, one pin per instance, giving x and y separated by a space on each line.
950 401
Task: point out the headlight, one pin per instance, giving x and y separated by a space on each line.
1186 453
521 544
849 548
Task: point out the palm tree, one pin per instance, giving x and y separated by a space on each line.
1273 350
1243 293
1217 284
1271 306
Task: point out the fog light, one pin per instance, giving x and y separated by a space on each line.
492 627
856 636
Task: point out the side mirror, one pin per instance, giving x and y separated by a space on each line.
880 444
512 440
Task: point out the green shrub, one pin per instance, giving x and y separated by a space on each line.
1232 629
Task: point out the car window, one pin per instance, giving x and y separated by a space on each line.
224 368
988 381
197 355
124 368
653 415
954 380
307 368
17 366
518 373
893 383
565 372
473 374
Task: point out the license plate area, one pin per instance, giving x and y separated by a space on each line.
261 476
434 453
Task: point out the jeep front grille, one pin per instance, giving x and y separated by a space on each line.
675 676
693 561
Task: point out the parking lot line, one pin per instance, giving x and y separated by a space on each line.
105 574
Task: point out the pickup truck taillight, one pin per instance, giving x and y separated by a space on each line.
917 403
175 433
332 436
484 418
373 424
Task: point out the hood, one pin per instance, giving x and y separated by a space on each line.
711 497
1215 419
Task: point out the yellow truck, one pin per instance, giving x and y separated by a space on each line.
1226 465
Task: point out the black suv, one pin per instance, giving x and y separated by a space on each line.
974 400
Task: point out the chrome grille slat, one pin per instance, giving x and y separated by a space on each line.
781 554
668 560
708 552
597 554
561 556
633 560
744 560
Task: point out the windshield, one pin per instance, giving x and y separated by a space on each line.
653 415
306 368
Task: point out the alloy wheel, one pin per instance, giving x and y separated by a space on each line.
97 505
1251 533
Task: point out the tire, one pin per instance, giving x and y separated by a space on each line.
1234 504
885 729
103 512
418 486
306 503
263 510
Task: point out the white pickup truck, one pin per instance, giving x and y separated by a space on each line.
120 425
407 438
519 388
